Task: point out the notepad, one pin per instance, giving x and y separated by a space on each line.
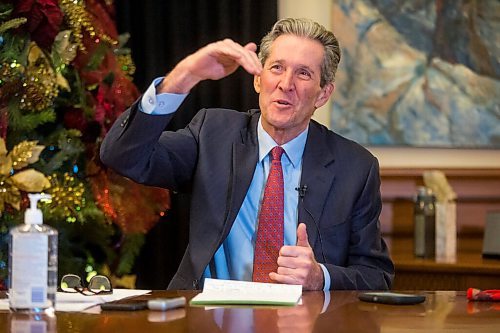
229 292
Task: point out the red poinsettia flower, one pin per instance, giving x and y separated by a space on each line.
44 19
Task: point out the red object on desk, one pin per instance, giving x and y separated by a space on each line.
491 295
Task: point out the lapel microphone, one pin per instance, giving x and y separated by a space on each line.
302 189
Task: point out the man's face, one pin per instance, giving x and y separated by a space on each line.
289 86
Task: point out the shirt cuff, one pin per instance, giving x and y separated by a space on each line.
326 276
161 104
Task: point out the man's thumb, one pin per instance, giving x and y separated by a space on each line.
302 235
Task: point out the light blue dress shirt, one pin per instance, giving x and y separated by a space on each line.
232 260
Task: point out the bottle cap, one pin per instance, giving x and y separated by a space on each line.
33 215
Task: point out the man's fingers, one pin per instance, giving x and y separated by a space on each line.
252 48
288 279
302 236
294 251
297 273
293 264
287 262
244 56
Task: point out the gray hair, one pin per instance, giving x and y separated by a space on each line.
306 28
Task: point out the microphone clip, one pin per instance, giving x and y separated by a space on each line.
302 191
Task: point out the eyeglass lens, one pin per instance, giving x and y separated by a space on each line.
70 282
73 283
99 283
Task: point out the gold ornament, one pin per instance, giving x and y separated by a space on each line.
25 153
30 180
9 72
40 83
64 47
9 195
80 21
12 24
67 196
126 64
10 80
13 180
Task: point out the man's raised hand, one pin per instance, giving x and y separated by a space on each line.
212 62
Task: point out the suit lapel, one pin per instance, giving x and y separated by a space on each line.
318 175
244 161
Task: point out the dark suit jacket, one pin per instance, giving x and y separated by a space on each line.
214 158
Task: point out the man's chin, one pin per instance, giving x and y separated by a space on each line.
280 116
281 123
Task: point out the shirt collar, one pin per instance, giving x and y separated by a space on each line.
293 149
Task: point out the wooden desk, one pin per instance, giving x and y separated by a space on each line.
442 311
468 270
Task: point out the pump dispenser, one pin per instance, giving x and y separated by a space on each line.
34 215
33 262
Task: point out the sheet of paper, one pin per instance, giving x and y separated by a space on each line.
222 292
70 302
75 302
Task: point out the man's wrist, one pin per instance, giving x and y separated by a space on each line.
161 104
178 81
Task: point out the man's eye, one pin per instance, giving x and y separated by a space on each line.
305 74
276 67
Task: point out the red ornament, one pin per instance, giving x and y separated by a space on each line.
74 118
4 123
44 19
133 207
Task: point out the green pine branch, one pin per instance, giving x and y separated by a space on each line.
130 249
27 122
69 148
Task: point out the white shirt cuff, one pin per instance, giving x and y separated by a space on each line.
326 276
160 104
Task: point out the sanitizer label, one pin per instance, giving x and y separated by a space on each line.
29 271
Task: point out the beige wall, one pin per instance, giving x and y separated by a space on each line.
320 11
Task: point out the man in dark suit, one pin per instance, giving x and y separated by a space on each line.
330 201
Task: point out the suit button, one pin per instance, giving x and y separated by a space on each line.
124 122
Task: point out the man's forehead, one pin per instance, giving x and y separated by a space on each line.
291 48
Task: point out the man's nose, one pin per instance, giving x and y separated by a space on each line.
286 82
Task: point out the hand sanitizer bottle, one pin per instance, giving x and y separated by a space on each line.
33 262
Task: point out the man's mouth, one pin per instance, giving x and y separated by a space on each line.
283 102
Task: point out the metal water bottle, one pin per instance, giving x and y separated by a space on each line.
424 219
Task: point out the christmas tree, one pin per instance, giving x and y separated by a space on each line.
65 76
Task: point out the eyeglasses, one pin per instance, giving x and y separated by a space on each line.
98 284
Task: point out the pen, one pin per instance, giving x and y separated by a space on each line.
490 295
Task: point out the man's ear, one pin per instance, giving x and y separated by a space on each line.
325 94
256 83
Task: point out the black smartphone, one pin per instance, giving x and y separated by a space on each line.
391 298
130 306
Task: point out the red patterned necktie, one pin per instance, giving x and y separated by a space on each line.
270 228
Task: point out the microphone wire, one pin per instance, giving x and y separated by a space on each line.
302 193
